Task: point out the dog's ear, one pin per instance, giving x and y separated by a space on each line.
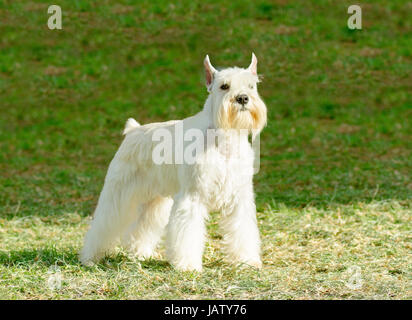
253 65
210 71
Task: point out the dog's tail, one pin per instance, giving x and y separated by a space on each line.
131 124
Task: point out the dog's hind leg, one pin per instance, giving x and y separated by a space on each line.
116 209
143 235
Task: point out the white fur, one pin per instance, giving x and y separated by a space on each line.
140 199
130 125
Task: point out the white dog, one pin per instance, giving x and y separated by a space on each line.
141 198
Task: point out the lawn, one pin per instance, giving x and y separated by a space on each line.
334 190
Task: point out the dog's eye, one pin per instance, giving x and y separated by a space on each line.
224 86
251 86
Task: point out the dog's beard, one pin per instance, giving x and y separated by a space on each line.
231 115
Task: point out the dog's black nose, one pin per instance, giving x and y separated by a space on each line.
242 99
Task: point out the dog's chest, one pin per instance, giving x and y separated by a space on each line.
223 175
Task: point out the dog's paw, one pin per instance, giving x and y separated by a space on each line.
250 264
87 262
186 266
144 253
189 268
255 264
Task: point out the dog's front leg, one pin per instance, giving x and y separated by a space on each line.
240 232
186 233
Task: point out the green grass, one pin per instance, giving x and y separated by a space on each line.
335 184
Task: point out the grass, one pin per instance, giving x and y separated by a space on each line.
308 253
334 189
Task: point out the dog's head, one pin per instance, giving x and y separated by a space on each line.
234 97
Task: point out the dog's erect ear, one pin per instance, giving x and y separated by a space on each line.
253 65
210 71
